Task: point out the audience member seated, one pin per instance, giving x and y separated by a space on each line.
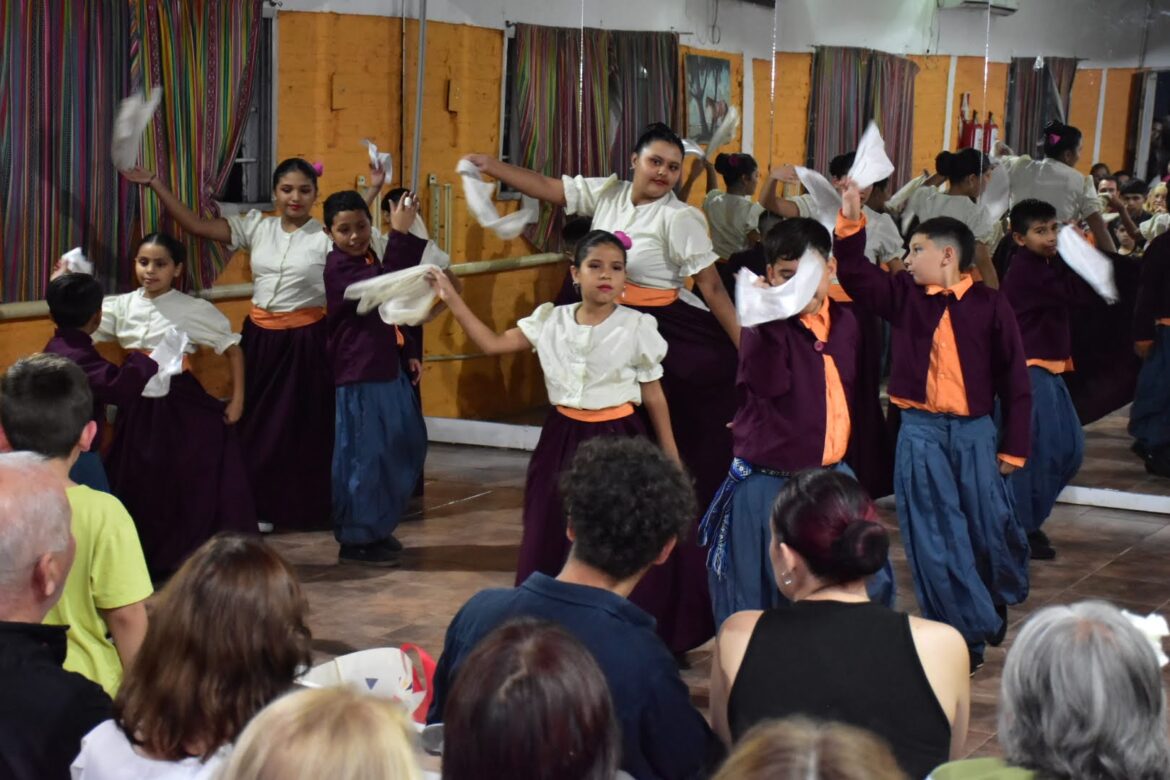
335 733
1082 696
46 407
627 505
530 702
226 637
44 710
831 653
802 749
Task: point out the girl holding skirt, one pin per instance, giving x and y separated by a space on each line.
600 360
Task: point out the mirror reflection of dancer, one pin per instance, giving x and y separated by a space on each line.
669 243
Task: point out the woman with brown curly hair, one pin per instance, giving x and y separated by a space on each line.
226 637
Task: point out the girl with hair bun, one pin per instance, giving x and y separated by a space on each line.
732 214
831 653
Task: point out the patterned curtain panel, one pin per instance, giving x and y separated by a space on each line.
852 86
202 53
63 68
582 115
1036 95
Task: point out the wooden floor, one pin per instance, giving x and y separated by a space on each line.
465 536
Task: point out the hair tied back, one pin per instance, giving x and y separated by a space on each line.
1053 139
319 167
625 240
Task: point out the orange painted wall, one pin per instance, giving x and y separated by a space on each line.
1115 129
969 77
930 106
1082 113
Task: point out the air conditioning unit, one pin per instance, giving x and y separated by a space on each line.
998 7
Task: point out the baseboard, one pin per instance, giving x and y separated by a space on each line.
1115 499
478 433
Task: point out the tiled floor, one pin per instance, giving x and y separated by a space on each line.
1109 463
468 531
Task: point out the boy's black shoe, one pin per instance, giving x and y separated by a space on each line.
1158 462
1040 547
997 639
976 661
374 554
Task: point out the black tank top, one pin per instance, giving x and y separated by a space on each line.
851 663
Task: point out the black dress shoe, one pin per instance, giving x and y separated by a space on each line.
375 554
1039 547
997 639
976 661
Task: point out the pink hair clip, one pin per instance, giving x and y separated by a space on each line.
623 238
319 167
1053 138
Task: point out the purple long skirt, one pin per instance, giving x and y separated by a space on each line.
699 383
871 446
177 467
544 546
287 428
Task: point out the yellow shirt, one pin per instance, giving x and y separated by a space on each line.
109 571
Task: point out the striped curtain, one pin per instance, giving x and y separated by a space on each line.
202 53
582 115
63 66
1035 97
849 88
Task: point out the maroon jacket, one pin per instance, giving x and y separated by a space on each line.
1153 299
1041 292
111 385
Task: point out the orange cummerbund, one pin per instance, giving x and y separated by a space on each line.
597 415
286 320
1162 321
636 295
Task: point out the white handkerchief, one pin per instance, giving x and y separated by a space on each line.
693 149
757 305
432 255
134 115
722 134
169 356
75 262
871 163
997 195
1154 628
825 197
379 160
401 298
479 201
1088 263
899 199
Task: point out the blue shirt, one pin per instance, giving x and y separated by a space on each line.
663 735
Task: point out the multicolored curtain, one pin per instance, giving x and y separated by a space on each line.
581 114
202 54
1038 92
63 67
851 86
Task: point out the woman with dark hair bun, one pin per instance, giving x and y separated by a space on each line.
732 213
831 653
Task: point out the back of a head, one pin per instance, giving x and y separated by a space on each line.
336 733
734 168
952 232
789 239
957 166
530 701
625 500
1082 696
35 520
802 749
1028 212
1060 138
830 521
839 166
73 299
391 198
227 636
45 404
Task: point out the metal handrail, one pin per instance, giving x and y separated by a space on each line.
27 310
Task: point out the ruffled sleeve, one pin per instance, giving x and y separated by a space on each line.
582 195
1150 229
689 242
243 227
534 324
111 314
805 205
649 349
208 326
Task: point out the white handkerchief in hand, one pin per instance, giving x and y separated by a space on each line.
871 163
74 262
401 298
758 304
432 255
169 356
1088 263
826 199
134 115
723 133
899 199
997 195
693 149
379 160
479 201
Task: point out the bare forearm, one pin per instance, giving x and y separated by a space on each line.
656 408
533 184
235 357
485 338
128 628
214 229
1101 233
781 207
718 301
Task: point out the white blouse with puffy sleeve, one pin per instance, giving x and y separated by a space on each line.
138 322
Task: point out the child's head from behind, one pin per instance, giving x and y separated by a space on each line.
339 733
1034 226
46 406
967 170
347 221
158 263
294 188
227 637
787 242
940 249
739 171
1062 142
530 701
75 302
599 267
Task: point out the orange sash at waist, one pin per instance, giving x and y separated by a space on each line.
1052 366
186 358
286 320
597 415
636 295
399 339
1162 321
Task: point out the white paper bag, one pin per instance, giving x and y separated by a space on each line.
386 672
